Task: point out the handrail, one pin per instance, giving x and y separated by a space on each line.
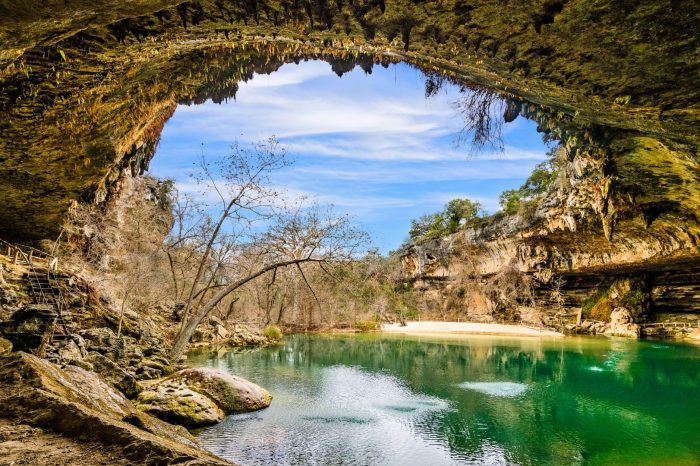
51 260
38 290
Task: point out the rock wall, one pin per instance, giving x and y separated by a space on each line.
543 268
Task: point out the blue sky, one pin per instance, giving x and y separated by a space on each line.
371 145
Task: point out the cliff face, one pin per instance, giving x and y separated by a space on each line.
88 86
565 257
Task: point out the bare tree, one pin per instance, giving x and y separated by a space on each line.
305 236
235 249
245 193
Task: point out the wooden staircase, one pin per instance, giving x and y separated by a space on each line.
44 284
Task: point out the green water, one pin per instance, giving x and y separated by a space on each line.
378 400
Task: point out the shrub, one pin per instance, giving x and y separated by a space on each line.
528 209
602 310
272 332
365 325
510 201
526 198
591 300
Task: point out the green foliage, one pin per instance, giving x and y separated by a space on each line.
272 332
365 325
591 300
602 310
523 200
165 189
510 201
456 214
638 303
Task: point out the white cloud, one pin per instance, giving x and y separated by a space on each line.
372 147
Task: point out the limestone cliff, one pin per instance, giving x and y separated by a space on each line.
544 267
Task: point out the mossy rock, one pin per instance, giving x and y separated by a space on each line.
602 310
231 393
115 375
177 404
29 328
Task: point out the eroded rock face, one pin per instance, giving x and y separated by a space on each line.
68 71
198 397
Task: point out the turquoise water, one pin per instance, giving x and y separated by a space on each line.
393 400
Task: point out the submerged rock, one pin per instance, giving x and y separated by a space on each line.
198 397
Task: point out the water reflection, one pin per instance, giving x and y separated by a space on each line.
402 400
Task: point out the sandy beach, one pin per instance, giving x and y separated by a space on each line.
468 328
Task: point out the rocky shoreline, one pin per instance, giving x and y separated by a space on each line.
82 393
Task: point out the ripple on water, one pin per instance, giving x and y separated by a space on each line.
337 419
502 389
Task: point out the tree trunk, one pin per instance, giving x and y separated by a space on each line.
188 327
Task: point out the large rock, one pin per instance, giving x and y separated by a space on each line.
231 393
197 397
622 324
77 403
175 403
30 328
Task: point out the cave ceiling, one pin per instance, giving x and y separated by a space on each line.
88 85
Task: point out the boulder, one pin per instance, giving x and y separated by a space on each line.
177 404
5 346
102 337
231 393
153 367
622 324
30 328
70 351
104 341
214 321
198 397
221 332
